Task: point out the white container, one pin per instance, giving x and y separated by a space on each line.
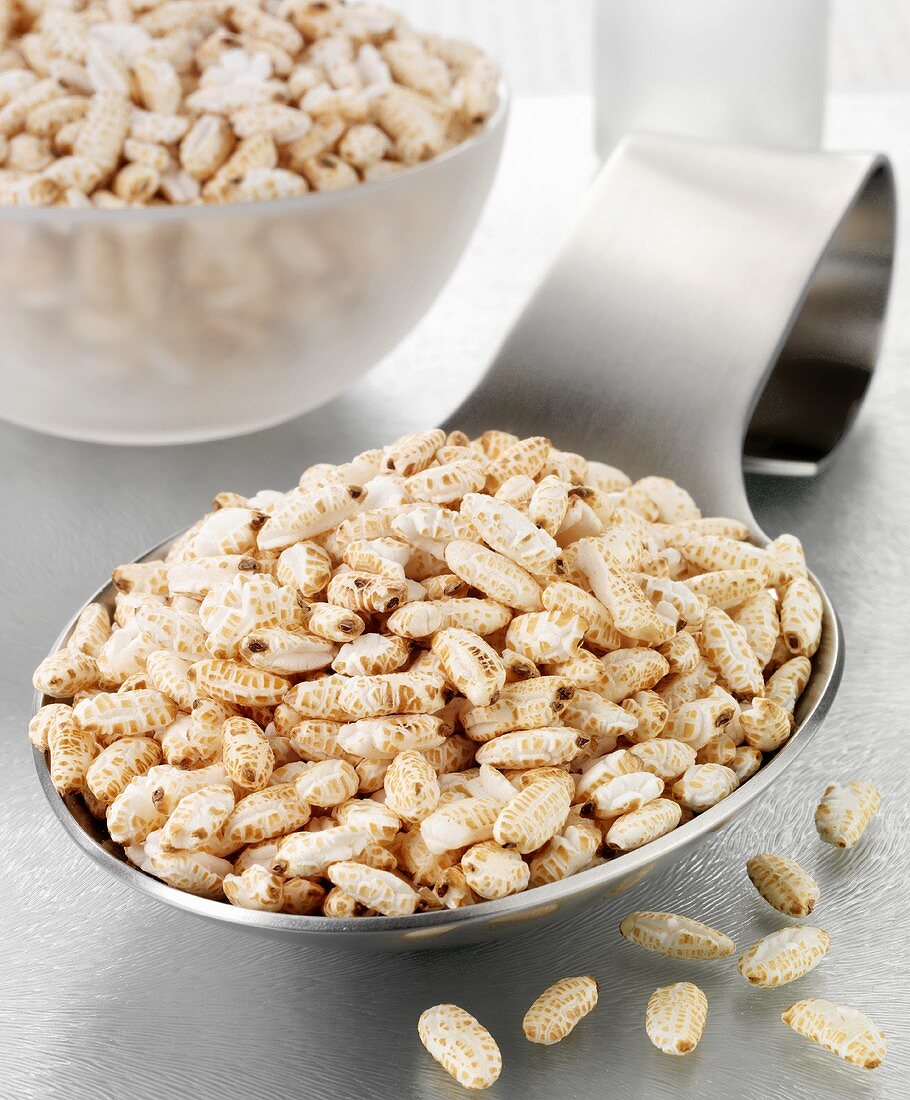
742 71
179 324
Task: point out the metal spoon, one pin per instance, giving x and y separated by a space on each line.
709 299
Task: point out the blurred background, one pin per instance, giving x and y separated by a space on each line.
868 49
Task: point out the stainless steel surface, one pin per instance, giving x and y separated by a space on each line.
103 995
693 270
644 203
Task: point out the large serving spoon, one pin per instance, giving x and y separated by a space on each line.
710 301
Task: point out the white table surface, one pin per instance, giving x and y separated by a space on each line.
104 996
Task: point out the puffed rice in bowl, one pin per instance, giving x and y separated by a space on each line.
194 195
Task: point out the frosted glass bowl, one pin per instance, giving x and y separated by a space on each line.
180 324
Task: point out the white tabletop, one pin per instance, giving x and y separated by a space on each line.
103 995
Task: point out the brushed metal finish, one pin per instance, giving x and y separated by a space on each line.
696 275
576 313
104 995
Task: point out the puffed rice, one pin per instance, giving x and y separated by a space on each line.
249 101
283 692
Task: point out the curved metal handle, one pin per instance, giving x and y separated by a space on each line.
696 276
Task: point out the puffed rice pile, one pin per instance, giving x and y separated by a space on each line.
117 103
443 672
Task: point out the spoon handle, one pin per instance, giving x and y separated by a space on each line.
709 298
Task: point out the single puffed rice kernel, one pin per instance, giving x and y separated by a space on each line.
167 673
723 644
758 620
459 824
675 1017
110 716
704 785
681 652
533 816
470 664
115 766
379 890
627 605
247 755
765 725
570 851
197 577
509 532
302 896
445 484
181 632
405 117
92 630
494 872
305 514
785 686
385 737
602 769
545 637
599 719
844 812
420 620
366 591
783 884
327 783
788 551
40 725
383 555
651 714
372 654
639 827
461 1045
801 617
570 599
664 756
193 872
558 1010
746 762
445 586
173 783
676 936
255 888
627 671
136 811
493 574
784 956
71 748
149 153
105 129
371 815
286 653
625 793
844 1031
233 682
310 853
411 787
304 566
261 815
364 145
713 552
727 588
141 576
197 818
335 624
532 748
136 183
512 456
60 675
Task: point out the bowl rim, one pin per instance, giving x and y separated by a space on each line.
62 217
826 674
